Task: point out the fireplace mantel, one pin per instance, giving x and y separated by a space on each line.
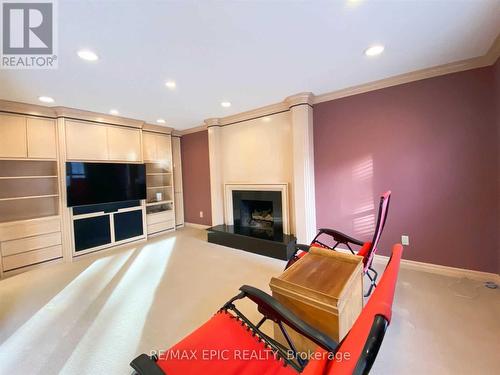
228 200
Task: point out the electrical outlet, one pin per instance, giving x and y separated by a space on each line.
201 213
405 240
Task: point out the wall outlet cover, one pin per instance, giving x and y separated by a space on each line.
201 213
405 240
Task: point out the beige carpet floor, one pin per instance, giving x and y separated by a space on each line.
94 315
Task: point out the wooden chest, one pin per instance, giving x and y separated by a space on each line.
325 289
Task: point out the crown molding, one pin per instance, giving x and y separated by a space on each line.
157 128
27 109
192 130
97 117
455 67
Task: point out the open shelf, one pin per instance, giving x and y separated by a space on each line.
158 168
28 189
161 207
159 187
28 208
159 174
24 177
157 203
27 168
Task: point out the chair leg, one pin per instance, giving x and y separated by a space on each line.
373 280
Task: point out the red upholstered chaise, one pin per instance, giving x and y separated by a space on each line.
367 250
230 344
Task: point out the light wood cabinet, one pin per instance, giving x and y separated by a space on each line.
41 135
86 141
149 146
124 144
13 136
163 148
179 208
157 148
177 163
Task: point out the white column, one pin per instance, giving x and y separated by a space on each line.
303 166
215 158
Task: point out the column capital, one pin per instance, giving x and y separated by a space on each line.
212 122
300 98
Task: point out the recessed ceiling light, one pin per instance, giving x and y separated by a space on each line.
88 55
46 99
266 119
225 104
170 84
114 112
374 50
160 121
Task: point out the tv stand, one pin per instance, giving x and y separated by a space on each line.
95 227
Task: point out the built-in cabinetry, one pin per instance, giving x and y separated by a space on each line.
27 137
36 226
160 206
177 167
30 223
29 242
100 142
100 226
157 148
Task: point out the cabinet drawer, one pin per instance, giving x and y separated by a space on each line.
154 228
29 228
31 257
159 217
30 243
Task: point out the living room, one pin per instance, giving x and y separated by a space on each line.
250 187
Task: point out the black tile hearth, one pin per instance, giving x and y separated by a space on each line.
259 241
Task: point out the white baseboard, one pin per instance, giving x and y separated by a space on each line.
438 269
198 226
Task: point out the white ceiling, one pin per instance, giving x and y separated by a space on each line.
251 53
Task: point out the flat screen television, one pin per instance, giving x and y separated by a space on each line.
94 183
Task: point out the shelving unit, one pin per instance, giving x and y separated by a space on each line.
28 189
160 213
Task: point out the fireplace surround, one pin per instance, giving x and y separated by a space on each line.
256 220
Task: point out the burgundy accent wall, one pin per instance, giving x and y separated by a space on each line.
196 178
435 143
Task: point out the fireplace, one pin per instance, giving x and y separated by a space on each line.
258 213
256 220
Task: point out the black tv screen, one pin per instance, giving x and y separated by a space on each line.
93 183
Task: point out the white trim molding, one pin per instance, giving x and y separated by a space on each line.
436 269
197 226
283 188
443 270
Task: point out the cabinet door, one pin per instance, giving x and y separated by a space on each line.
149 146
179 208
13 137
41 138
86 141
164 149
124 144
177 163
